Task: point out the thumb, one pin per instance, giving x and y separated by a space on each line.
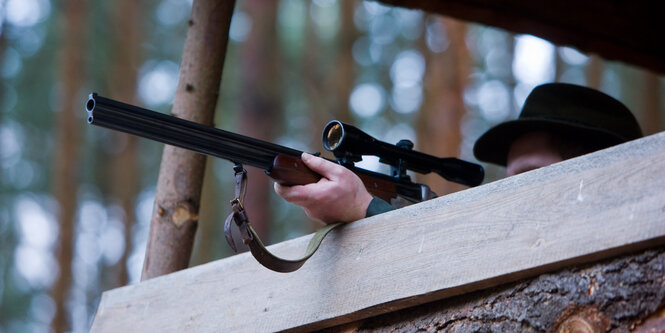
320 165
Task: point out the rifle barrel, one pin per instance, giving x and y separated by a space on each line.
182 133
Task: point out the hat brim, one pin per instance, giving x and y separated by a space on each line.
493 146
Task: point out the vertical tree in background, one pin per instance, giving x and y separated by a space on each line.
313 80
652 116
124 70
209 237
594 73
511 81
328 68
438 125
260 105
66 154
3 45
3 49
343 74
178 194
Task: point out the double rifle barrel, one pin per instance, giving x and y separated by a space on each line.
182 133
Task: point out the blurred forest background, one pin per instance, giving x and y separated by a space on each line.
75 201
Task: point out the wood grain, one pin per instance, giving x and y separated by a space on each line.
584 209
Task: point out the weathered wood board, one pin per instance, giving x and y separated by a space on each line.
580 210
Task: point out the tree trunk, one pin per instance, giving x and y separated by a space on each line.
260 102
594 74
65 181
653 118
511 81
615 295
3 49
345 69
175 213
124 168
441 115
313 79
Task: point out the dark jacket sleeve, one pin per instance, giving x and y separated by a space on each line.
378 206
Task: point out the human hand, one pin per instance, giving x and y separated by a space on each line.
339 196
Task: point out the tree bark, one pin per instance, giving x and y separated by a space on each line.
615 295
124 168
260 102
441 115
175 213
65 182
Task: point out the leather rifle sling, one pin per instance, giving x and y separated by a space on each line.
251 239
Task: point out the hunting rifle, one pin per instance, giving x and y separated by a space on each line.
283 164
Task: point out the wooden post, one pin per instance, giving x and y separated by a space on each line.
175 213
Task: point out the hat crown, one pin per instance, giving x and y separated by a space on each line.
577 105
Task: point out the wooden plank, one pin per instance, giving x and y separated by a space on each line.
580 210
629 31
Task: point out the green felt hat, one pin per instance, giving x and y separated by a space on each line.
578 113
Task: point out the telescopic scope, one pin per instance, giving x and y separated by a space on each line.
349 144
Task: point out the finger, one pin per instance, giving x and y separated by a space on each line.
321 166
286 192
294 194
279 189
